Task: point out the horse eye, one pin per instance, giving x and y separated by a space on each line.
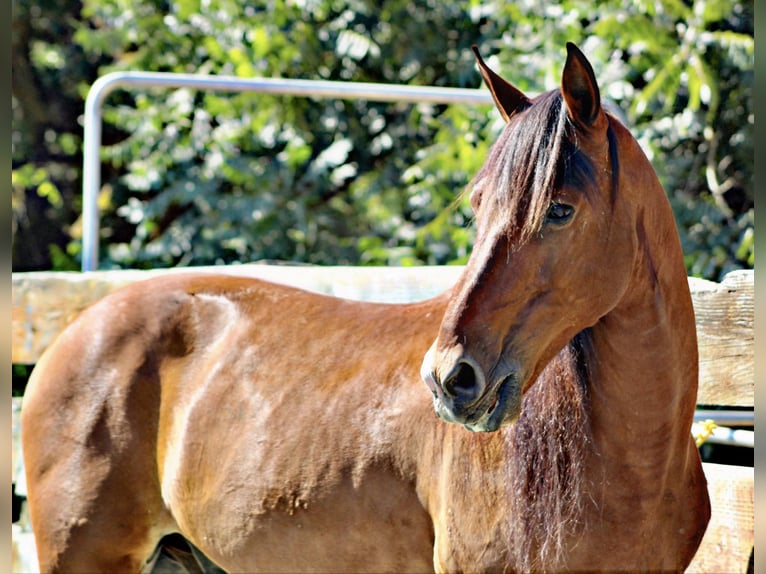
559 213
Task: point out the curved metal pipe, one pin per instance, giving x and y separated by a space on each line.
727 418
106 84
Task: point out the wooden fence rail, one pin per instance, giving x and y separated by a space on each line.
44 303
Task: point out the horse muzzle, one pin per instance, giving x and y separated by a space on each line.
464 397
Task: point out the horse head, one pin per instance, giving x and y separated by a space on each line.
554 251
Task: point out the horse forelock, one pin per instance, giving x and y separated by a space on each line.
546 464
536 154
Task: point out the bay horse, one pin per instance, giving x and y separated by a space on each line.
279 430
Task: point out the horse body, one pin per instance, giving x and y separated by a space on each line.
280 430
252 454
310 478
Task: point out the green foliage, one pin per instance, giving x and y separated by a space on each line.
688 70
19 376
194 178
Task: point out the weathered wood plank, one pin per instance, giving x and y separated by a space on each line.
44 303
724 314
729 538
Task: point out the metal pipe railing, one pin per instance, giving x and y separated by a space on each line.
728 418
727 436
721 432
306 88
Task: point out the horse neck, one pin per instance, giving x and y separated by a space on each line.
645 372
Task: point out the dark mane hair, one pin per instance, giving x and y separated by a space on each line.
534 155
549 441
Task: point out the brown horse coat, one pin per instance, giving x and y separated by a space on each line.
280 430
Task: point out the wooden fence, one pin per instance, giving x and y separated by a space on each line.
44 303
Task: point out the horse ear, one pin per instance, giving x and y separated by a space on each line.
507 98
579 88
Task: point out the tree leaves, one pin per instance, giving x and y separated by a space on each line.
200 178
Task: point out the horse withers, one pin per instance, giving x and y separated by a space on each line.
279 430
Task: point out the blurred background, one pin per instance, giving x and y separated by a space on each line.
204 178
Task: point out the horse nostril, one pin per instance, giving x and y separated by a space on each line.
461 382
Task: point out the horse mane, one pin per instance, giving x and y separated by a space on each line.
537 153
546 461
